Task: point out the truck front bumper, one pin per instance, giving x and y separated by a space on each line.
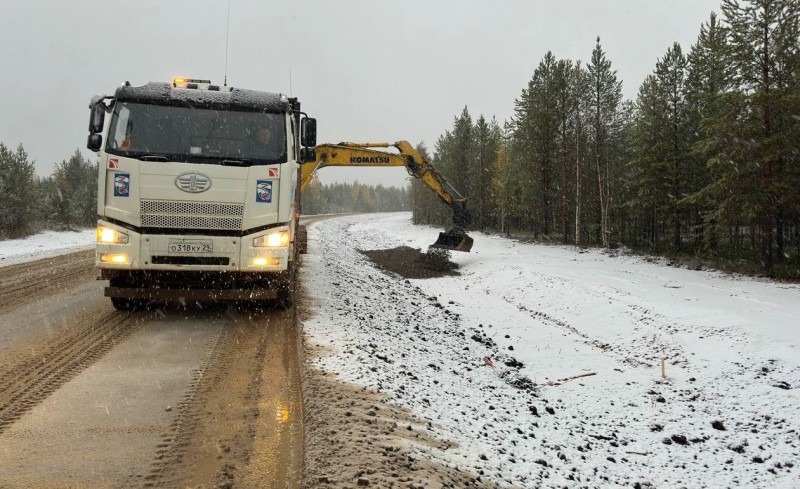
177 252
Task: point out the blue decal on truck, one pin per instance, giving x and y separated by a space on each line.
122 184
264 191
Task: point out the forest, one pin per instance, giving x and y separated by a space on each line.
353 197
702 165
67 199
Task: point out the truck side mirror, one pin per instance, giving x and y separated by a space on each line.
97 117
308 132
94 142
307 155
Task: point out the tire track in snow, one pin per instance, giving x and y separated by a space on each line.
30 374
172 449
26 282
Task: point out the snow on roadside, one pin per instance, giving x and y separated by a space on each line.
44 244
478 359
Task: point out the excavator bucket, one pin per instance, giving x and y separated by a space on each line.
455 239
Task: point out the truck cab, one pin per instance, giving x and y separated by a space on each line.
197 192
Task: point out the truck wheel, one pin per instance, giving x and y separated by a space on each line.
285 298
122 304
302 239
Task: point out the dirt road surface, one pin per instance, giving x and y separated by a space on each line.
174 397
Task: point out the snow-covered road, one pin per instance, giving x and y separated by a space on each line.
478 357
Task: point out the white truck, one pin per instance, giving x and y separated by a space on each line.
198 191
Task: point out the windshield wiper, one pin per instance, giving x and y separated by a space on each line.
235 163
153 158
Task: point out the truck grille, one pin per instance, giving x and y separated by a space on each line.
191 215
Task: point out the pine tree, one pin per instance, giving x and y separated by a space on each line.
535 131
579 109
460 168
456 158
671 76
503 188
764 60
604 132
486 142
647 171
75 201
707 82
44 211
17 191
565 143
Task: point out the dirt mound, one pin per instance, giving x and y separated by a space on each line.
413 263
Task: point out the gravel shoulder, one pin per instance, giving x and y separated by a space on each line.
355 435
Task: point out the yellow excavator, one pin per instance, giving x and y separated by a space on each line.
355 154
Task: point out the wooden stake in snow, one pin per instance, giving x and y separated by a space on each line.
663 369
566 379
577 376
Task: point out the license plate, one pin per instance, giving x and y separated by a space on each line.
190 246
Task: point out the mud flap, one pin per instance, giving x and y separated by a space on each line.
455 239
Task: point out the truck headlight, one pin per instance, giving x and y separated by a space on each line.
280 238
108 235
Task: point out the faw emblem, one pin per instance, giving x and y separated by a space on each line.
193 182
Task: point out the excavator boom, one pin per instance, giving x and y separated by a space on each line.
357 154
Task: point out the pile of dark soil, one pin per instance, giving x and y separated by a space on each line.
412 262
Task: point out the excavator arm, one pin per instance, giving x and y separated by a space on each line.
354 154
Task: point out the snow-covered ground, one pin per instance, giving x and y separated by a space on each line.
478 358
44 244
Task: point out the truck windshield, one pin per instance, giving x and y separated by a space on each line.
190 134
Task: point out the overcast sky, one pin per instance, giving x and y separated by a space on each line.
368 70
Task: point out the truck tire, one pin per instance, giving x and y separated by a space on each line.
302 239
285 298
123 304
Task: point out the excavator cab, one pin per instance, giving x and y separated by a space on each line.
455 239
